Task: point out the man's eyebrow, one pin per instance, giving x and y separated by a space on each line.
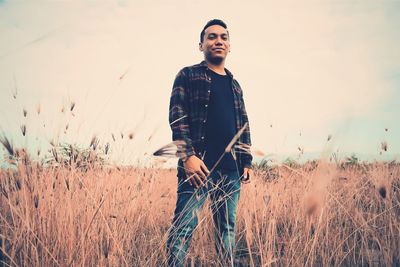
222 34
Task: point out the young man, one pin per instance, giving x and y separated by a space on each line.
206 112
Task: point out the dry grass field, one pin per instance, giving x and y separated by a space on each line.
311 215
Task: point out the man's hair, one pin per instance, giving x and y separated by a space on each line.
211 23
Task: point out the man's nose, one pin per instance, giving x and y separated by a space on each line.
219 41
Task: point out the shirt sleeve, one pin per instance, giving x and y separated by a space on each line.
178 115
247 158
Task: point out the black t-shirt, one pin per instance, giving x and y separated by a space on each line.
220 124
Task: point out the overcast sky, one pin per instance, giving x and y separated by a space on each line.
308 69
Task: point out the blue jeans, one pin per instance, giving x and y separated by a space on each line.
224 191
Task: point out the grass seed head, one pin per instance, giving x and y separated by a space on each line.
36 200
171 150
258 153
7 145
384 146
107 148
94 142
23 129
382 191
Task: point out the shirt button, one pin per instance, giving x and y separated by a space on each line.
202 138
204 121
206 105
209 91
209 78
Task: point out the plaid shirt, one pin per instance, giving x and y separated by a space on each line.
188 112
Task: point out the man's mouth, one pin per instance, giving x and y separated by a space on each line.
218 49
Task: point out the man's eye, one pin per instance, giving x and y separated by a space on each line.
211 36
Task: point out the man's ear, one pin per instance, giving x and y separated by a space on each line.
200 47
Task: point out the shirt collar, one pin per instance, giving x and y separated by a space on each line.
204 64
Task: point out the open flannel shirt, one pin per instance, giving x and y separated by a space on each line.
188 113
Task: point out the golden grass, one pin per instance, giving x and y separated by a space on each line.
323 216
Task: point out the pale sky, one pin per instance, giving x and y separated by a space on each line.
308 68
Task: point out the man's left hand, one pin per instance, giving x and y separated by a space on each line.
247 175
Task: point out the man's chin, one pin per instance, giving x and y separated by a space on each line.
215 60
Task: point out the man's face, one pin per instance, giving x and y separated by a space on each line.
215 45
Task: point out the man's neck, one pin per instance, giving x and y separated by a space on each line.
220 69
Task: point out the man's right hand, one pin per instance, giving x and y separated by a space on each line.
196 171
